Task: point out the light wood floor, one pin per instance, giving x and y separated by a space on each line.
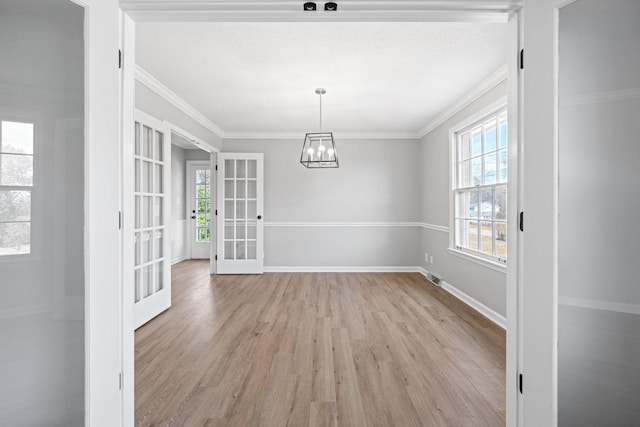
298 349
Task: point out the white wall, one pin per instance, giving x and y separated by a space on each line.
481 283
377 182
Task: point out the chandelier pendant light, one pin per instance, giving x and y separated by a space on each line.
319 148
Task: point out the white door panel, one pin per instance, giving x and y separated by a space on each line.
240 205
152 260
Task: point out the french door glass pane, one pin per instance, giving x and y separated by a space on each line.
241 168
252 168
159 147
229 169
251 250
137 140
42 225
252 189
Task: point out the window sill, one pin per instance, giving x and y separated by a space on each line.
500 268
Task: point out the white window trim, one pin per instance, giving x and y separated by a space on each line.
469 255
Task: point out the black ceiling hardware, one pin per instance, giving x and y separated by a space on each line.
309 6
331 6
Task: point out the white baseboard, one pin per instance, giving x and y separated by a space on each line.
340 269
495 317
177 260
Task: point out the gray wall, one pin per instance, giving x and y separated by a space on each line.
376 182
178 203
196 154
156 106
485 285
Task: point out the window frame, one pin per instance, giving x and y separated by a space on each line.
34 223
476 256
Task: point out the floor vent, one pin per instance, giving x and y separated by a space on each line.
433 278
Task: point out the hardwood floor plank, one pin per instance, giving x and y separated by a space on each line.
317 349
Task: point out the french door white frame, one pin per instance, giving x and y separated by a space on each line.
191 201
159 299
426 11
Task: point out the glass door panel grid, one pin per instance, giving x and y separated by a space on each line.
203 205
240 209
149 227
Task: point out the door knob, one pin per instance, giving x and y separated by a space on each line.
259 216
193 217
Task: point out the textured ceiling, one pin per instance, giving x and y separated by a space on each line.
380 77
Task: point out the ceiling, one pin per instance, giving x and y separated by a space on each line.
380 77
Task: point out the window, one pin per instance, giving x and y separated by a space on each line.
16 187
480 187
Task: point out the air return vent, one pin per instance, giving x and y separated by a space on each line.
435 279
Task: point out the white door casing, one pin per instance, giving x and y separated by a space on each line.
199 196
152 260
240 210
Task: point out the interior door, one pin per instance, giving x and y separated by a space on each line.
152 260
59 200
240 204
199 193
598 209
579 279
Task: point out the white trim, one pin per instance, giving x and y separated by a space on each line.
617 307
197 143
155 85
500 268
340 224
434 227
490 314
352 11
341 269
177 260
337 135
490 109
485 86
159 88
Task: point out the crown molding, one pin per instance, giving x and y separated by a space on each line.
291 11
337 135
485 86
155 85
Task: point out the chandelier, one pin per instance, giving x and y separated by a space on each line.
319 148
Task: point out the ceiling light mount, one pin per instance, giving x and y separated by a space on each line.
309 6
319 148
331 6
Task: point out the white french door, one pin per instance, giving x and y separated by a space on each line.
152 261
240 203
199 215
